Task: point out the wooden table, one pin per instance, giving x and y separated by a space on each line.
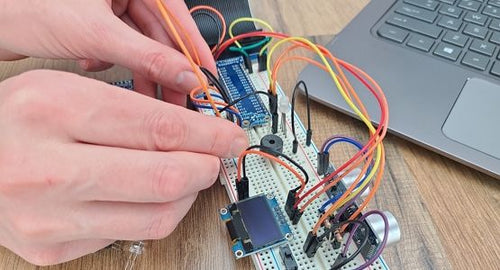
448 213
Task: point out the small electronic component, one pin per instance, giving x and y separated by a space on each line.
284 108
293 212
243 188
234 77
369 249
288 259
135 249
255 224
272 142
377 224
311 245
126 84
349 179
262 62
323 162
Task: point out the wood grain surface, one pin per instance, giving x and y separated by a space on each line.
449 214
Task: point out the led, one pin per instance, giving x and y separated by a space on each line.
283 105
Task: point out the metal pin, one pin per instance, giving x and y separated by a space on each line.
284 108
283 123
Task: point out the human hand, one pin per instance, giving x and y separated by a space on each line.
83 163
104 31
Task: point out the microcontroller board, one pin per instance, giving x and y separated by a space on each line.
234 77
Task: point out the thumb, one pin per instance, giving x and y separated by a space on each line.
150 58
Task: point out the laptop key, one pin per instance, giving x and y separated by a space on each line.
420 42
455 38
483 47
495 3
475 31
427 4
475 60
492 11
450 11
495 24
417 13
414 25
451 2
495 70
447 51
495 38
475 18
470 5
392 33
450 23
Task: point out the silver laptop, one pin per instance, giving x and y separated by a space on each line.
438 63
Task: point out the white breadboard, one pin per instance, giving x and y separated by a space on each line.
267 177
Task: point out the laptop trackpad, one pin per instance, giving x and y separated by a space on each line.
474 119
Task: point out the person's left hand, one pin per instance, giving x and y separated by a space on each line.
131 33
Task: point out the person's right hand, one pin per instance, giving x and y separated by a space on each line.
131 33
83 163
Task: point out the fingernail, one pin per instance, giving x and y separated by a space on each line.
238 146
187 80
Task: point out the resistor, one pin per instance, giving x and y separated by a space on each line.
327 224
338 236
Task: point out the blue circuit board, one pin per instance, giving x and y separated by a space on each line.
255 224
234 77
126 84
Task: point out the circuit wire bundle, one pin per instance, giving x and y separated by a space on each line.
370 157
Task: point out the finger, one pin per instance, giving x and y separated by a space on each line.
134 221
10 56
174 97
144 86
146 56
117 174
100 117
93 65
141 84
62 252
106 115
147 23
119 6
181 12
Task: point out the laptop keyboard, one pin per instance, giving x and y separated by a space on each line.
466 32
